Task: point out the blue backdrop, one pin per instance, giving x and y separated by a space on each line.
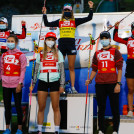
81 76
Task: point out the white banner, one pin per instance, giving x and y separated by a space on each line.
100 22
33 24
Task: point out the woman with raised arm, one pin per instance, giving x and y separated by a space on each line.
66 43
129 42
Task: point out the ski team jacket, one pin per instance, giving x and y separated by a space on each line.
129 42
5 33
49 69
13 68
105 63
67 27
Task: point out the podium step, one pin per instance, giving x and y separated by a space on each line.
126 125
124 118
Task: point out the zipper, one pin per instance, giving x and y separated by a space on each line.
48 77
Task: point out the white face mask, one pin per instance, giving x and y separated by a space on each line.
11 45
105 42
50 43
3 26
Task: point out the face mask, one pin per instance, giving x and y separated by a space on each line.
11 45
3 26
105 43
50 43
67 14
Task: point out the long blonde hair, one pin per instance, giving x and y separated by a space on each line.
63 17
53 49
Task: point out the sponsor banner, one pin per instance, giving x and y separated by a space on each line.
33 24
100 22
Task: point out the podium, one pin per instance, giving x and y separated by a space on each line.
72 107
126 125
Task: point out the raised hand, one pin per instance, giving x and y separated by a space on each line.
44 10
117 24
23 22
90 3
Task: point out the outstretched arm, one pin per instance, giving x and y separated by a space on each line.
79 21
23 35
116 37
46 23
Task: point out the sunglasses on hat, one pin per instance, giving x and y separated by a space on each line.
67 4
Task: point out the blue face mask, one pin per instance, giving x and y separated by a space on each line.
3 26
67 14
105 42
11 45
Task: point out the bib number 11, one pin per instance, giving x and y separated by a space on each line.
104 64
